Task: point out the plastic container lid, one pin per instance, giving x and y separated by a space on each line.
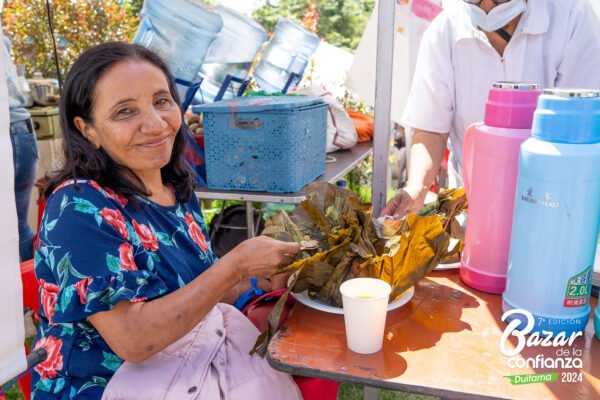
572 92
511 104
568 116
515 85
258 104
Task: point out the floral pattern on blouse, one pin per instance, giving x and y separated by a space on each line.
94 251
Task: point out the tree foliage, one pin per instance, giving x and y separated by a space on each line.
134 6
78 25
341 22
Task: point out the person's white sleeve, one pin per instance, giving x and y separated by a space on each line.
430 103
581 59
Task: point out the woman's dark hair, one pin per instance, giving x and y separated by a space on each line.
82 160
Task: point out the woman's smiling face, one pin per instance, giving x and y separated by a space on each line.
134 117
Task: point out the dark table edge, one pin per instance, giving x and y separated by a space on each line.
430 391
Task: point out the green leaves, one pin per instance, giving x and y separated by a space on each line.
50 225
84 206
44 385
96 381
340 23
78 25
113 263
111 361
60 383
164 238
66 296
64 202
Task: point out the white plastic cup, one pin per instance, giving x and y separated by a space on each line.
365 303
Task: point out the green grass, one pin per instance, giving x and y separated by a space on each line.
355 392
14 393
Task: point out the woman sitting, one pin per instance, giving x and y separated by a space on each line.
125 269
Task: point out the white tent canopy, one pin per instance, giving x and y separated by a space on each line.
12 334
396 27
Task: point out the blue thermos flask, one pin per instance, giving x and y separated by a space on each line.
557 214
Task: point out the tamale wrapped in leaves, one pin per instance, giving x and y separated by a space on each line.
349 247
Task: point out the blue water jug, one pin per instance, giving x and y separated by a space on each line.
557 214
286 56
181 31
230 57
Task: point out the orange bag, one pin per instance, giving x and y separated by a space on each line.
364 125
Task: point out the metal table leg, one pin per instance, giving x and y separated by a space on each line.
370 393
250 219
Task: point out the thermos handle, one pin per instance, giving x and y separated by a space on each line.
467 167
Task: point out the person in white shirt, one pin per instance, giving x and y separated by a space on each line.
555 43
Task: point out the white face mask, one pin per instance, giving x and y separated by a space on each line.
498 16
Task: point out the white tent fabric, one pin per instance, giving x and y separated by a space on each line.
12 331
329 67
361 75
411 19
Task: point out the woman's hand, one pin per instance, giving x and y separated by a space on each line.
408 201
262 256
275 282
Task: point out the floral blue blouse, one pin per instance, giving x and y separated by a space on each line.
94 251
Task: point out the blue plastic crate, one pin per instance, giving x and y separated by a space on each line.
271 144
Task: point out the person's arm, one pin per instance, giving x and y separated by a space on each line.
135 331
426 155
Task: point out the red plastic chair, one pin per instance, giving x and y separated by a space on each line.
31 302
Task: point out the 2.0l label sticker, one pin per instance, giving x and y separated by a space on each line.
578 289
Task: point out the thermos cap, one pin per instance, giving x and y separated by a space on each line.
511 104
572 92
568 116
515 85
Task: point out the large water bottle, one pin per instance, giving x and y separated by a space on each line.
181 31
286 56
490 160
230 57
557 213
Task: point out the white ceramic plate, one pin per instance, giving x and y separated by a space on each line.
442 267
317 305
455 265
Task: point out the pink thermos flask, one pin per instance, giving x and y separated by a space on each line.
490 162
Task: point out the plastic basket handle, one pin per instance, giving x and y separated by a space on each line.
248 124
192 88
229 79
245 123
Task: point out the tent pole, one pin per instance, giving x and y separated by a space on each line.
383 99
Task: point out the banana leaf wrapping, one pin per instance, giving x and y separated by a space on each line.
349 245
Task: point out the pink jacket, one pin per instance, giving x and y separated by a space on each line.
210 362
